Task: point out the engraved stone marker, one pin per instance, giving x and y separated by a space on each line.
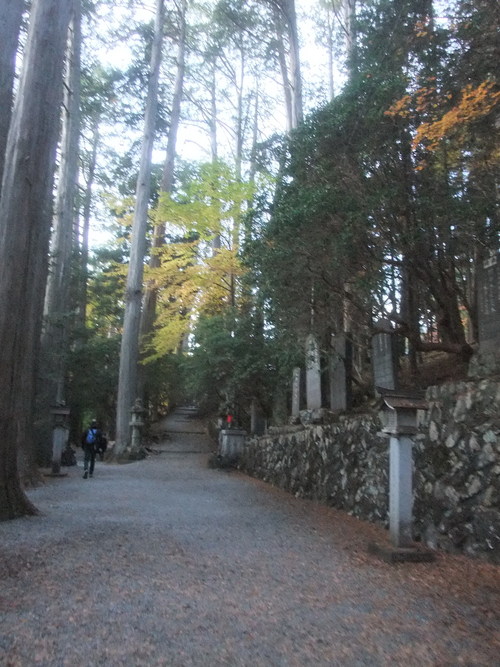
340 372
257 420
313 374
296 392
488 281
383 359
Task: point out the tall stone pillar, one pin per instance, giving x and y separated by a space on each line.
296 392
313 374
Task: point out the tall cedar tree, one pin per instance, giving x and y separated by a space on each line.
25 219
129 352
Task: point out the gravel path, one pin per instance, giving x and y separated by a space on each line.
168 562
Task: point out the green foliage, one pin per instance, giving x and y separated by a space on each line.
354 206
208 202
234 361
93 376
166 379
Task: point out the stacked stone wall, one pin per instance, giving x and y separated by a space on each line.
345 464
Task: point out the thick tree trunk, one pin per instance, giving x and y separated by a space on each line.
55 337
10 23
129 352
25 219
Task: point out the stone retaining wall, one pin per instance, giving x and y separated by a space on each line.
344 464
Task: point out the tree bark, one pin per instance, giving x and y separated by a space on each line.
129 352
10 23
51 388
25 220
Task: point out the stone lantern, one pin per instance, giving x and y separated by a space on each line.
398 414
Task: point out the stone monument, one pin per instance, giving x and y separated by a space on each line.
296 392
313 374
489 304
487 358
340 372
383 356
257 419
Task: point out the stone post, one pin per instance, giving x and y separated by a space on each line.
257 421
231 444
401 491
296 392
340 372
383 356
399 419
313 374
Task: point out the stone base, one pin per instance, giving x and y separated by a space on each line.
231 444
390 554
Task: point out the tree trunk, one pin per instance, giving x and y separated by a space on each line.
284 70
240 121
167 184
129 353
25 220
330 44
10 23
55 337
295 73
85 228
212 124
167 181
351 35
213 113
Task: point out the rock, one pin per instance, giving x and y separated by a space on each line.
491 497
433 432
490 437
487 456
430 536
474 487
452 439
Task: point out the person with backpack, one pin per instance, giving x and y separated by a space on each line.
91 442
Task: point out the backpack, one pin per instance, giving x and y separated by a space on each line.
91 437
